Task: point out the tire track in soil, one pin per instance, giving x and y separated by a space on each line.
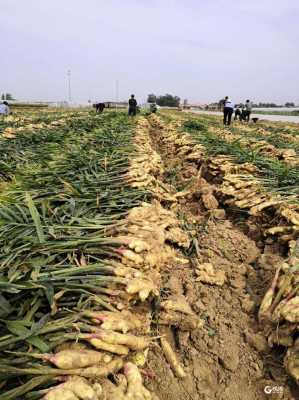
226 359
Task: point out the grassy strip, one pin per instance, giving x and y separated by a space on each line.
289 113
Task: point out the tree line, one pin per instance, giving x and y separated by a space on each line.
262 105
7 96
273 105
167 100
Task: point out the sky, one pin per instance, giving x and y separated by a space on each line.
200 50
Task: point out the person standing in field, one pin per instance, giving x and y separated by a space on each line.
132 106
243 113
4 108
248 109
220 104
238 113
228 110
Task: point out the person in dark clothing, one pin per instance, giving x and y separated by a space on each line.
228 110
132 106
248 108
99 107
237 113
220 105
243 114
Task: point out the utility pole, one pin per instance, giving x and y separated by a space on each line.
116 92
69 85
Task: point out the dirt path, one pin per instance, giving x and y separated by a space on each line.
227 358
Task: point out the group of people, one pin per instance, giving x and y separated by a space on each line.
4 108
133 107
132 110
241 113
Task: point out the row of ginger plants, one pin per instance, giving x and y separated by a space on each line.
87 273
222 182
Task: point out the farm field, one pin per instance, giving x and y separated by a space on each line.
148 258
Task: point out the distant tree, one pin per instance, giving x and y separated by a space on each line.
168 100
7 96
268 105
151 98
289 104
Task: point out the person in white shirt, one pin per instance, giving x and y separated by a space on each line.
228 110
4 108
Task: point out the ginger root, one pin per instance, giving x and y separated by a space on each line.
69 359
184 322
172 358
130 386
60 393
74 388
115 321
133 342
144 287
177 303
207 274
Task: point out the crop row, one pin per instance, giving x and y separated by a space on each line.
67 194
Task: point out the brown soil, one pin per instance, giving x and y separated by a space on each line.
228 358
